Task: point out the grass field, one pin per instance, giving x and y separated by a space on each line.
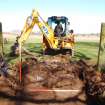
83 50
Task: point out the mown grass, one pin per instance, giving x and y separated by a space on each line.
83 50
86 50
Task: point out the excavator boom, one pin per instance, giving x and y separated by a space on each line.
35 19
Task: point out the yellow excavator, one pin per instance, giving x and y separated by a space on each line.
55 39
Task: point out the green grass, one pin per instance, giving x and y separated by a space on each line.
83 50
86 50
89 50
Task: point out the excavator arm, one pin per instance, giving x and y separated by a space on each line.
36 19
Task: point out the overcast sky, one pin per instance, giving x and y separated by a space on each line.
85 16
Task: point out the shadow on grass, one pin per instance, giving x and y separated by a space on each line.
81 56
103 68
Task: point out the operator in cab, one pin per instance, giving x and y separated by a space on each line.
58 31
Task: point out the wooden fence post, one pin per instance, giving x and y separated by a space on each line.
101 45
1 41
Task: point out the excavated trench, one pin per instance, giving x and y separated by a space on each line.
55 81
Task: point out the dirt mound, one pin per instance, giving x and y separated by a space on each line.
58 81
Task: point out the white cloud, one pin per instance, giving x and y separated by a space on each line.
86 24
12 21
80 23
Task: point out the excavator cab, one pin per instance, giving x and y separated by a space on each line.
63 21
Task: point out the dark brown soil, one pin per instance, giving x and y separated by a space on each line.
41 81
